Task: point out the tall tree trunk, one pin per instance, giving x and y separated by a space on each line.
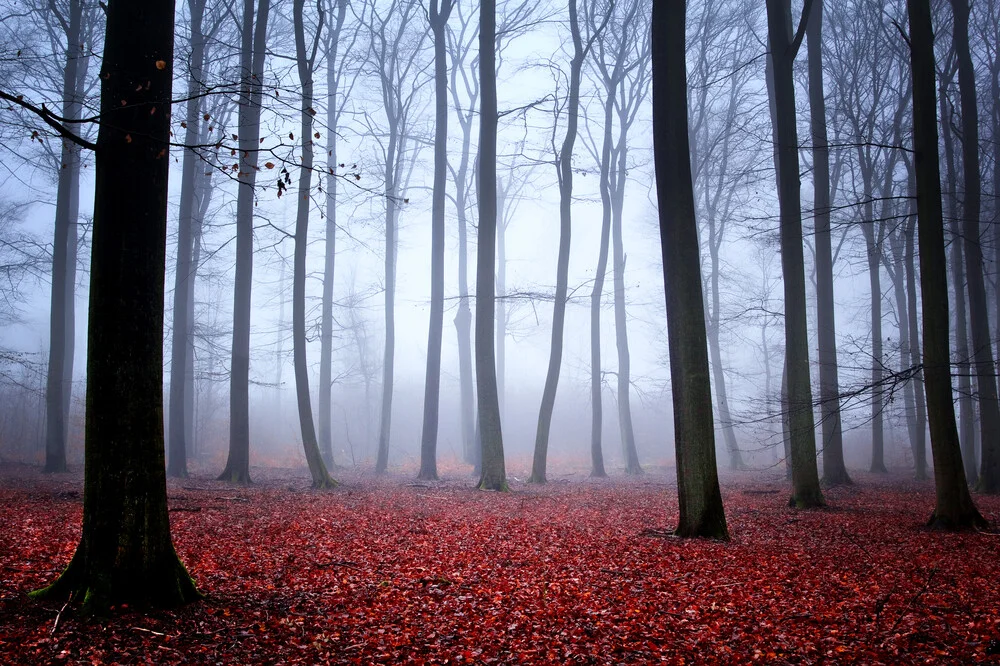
954 508
874 253
333 176
389 295
305 62
254 41
966 410
501 290
805 476
920 420
493 472
986 384
565 167
597 294
432 381
125 554
62 313
834 470
624 380
699 497
177 444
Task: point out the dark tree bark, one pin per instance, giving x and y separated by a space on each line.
982 357
920 418
966 408
493 472
954 508
805 476
181 345
62 313
834 470
432 381
700 500
125 554
254 41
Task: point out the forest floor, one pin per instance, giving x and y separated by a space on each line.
389 570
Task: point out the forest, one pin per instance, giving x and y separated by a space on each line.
499 331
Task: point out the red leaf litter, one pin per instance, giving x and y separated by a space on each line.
577 572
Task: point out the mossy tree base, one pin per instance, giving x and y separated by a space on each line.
807 500
965 521
163 584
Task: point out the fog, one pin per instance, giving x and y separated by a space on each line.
534 61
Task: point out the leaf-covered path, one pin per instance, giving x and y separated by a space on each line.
390 571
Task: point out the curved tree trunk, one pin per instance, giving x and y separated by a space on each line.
597 296
305 62
565 167
125 554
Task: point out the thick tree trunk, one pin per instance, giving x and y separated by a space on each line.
565 167
986 384
834 470
253 45
699 497
62 313
177 444
305 61
432 381
805 475
954 508
493 472
125 554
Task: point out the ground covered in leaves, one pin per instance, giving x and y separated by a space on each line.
392 571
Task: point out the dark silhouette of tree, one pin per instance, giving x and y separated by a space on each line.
125 554
783 46
834 471
700 500
954 508
982 356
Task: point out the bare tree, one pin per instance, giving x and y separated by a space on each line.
699 497
784 45
395 53
493 474
954 508
253 51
